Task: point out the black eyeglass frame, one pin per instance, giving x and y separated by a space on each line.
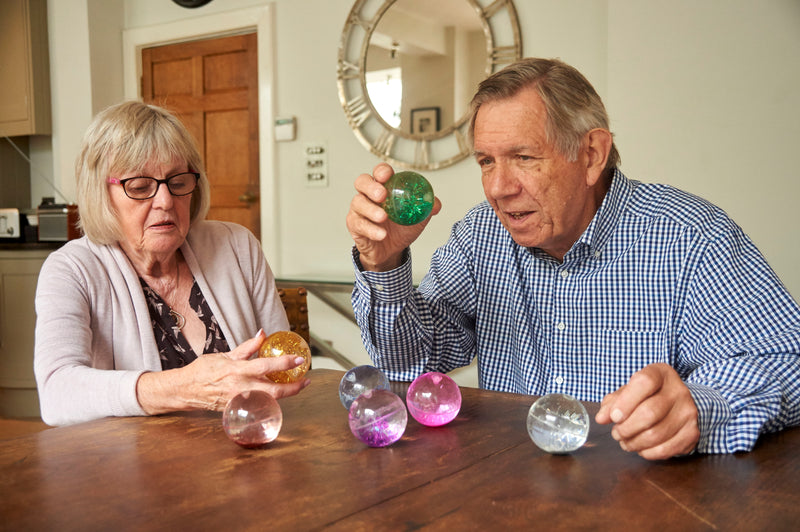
159 182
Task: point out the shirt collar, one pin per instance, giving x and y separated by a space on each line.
605 219
600 229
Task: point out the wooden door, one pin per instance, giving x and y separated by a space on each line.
212 86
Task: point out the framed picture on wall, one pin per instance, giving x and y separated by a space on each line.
424 120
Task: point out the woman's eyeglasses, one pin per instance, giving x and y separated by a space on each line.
142 188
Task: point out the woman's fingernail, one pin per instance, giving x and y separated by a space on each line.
299 360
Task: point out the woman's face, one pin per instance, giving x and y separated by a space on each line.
154 228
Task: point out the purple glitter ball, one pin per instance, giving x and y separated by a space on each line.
378 418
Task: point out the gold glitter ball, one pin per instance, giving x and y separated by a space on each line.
286 343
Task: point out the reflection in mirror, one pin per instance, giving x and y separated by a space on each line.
425 55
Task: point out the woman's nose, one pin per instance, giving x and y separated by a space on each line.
163 197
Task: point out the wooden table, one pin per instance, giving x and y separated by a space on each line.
481 471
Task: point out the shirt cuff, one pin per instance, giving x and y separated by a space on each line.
385 287
713 415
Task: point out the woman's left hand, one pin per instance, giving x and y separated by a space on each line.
211 380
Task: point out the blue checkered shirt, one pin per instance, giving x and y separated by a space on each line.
659 275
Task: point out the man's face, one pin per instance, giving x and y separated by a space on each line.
541 198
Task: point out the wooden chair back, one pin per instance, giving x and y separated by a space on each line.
295 301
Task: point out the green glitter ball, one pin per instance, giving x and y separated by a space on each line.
410 198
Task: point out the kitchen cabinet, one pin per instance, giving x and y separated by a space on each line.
19 273
24 68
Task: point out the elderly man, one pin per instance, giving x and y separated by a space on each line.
572 278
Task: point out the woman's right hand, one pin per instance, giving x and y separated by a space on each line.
211 380
380 241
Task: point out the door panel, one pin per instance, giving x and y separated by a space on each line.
212 86
224 131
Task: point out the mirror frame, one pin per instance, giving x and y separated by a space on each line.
431 151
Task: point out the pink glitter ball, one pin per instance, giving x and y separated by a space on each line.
433 399
252 418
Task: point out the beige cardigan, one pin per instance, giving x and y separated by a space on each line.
94 336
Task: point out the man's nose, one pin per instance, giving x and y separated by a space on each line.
501 182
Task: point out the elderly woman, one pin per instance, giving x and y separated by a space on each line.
155 309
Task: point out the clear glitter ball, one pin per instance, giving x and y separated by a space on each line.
558 423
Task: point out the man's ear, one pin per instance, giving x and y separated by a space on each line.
597 145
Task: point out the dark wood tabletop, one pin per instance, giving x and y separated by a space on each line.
480 472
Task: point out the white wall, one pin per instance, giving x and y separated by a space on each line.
71 97
85 43
710 102
702 95
106 21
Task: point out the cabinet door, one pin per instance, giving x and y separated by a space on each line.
24 68
18 278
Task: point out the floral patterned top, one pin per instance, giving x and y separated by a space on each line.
173 348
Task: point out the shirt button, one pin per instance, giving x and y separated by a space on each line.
564 274
379 287
597 254
559 380
561 326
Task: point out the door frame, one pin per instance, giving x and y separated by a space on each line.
262 20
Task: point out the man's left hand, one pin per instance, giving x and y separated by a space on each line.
654 414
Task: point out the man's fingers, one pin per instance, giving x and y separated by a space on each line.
361 208
382 172
680 443
367 186
642 384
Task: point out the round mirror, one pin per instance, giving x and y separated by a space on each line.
423 61
408 69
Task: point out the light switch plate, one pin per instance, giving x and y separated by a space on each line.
315 164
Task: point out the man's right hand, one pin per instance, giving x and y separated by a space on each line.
380 241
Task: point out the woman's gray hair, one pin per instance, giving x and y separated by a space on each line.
573 106
124 138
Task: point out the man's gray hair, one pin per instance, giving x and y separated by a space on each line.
573 106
